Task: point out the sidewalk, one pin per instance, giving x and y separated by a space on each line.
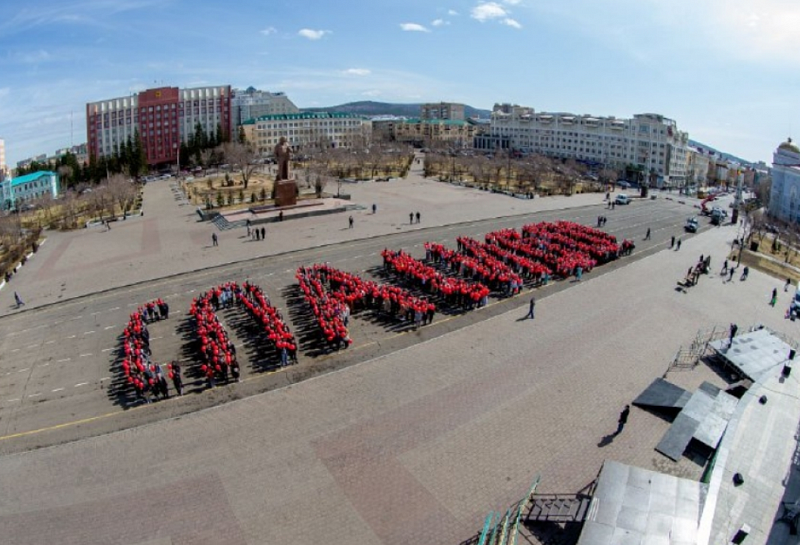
170 239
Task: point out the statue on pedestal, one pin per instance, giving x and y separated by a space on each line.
283 153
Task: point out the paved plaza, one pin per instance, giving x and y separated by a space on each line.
413 446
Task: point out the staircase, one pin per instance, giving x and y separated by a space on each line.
558 507
224 225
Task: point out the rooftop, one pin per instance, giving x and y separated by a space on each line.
31 177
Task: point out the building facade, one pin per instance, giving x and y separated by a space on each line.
437 133
784 197
697 167
307 129
164 118
15 191
252 103
650 143
442 110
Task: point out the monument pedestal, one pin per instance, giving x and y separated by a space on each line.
286 192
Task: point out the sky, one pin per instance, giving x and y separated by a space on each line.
727 71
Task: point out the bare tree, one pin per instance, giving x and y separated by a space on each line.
69 209
65 173
243 156
122 191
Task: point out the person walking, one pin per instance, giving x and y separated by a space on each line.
647 235
410 218
214 241
579 273
774 297
263 233
788 283
417 217
531 308
678 245
623 419
730 274
672 241
18 300
350 220
745 272
374 208
733 330
724 270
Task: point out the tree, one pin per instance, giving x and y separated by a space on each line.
243 156
122 191
65 173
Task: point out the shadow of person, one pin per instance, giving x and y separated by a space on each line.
607 440
524 318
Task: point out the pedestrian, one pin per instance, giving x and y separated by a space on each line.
258 233
177 380
599 221
410 218
678 245
774 297
18 300
724 270
647 235
623 419
531 308
280 215
788 283
579 273
417 217
374 208
745 272
263 233
350 220
730 277
672 241
733 330
214 240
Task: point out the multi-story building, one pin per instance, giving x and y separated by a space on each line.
784 197
15 191
307 129
3 167
650 143
164 118
252 103
697 165
426 132
442 110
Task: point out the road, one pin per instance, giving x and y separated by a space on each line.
59 370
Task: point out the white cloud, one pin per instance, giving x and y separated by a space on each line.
511 22
439 22
452 12
269 30
371 93
413 27
313 34
487 11
512 2
357 72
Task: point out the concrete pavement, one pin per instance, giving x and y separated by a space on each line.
411 447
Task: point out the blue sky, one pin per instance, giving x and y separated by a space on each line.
725 70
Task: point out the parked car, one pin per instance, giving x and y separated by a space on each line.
622 198
691 225
623 183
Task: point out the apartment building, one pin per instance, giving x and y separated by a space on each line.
442 110
164 118
307 129
3 166
784 197
251 103
648 142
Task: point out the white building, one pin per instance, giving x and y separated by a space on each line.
3 167
252 103
316 129
784 198
649 142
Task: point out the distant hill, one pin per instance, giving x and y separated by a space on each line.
369 107
726 156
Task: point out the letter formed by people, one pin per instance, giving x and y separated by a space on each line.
283 153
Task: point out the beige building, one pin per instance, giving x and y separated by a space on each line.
697 166
307 129
427 132
252 103
442 110
3 166
650 142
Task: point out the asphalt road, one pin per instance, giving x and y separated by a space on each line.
59 376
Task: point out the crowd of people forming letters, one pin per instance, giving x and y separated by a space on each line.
459 279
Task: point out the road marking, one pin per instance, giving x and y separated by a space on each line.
15 350
356 256
51 341
156 338
76 318
65 359
109 327
81 384
23 370
132 304
85 355
94 313
105 378
57 390
37 394
107 349
72 336
114 308
46 364
31 346
88 332
15 399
